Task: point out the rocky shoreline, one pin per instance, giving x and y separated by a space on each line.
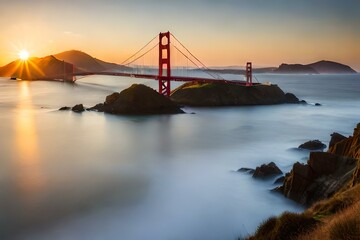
328 186
139 99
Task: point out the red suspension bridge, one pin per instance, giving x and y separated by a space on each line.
156 61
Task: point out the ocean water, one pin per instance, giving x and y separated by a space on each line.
89 176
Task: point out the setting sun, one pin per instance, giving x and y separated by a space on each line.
24 55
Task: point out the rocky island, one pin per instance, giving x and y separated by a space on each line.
137 100
142 100
219 94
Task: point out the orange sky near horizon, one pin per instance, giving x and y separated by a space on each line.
225 33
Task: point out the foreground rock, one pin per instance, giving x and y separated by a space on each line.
137 100
313 145
267 170
219 94
79 108
325 172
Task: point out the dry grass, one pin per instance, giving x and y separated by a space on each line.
287 226
199 85
343 225
340 216
335 204
337 218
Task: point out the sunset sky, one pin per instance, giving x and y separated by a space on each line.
219 32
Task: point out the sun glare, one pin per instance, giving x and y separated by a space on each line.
24 55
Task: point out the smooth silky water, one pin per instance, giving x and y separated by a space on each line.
65 175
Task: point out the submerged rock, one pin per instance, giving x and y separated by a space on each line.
64 108
78 108
221 94
248 170
137 100
267 170
313 145
279 180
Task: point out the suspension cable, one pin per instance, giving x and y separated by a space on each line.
142 55
204 66
138 51
209 73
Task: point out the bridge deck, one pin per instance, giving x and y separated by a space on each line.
156 77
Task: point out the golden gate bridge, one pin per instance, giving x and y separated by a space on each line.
141 65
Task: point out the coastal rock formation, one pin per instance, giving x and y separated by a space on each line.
267 170
219 94
350 147
313 145
138 100
335 138
325 172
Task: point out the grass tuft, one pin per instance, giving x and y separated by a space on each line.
287 226
348 230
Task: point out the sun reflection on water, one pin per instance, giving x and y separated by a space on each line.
29 174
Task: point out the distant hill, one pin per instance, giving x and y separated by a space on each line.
54 66
295 68
85 62
331 67
36 69
321 67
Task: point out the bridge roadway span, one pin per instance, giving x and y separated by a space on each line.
156 77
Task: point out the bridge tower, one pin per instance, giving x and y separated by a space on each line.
248 74
164 64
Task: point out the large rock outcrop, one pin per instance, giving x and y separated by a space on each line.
350 147
219 94
325 172
138 100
